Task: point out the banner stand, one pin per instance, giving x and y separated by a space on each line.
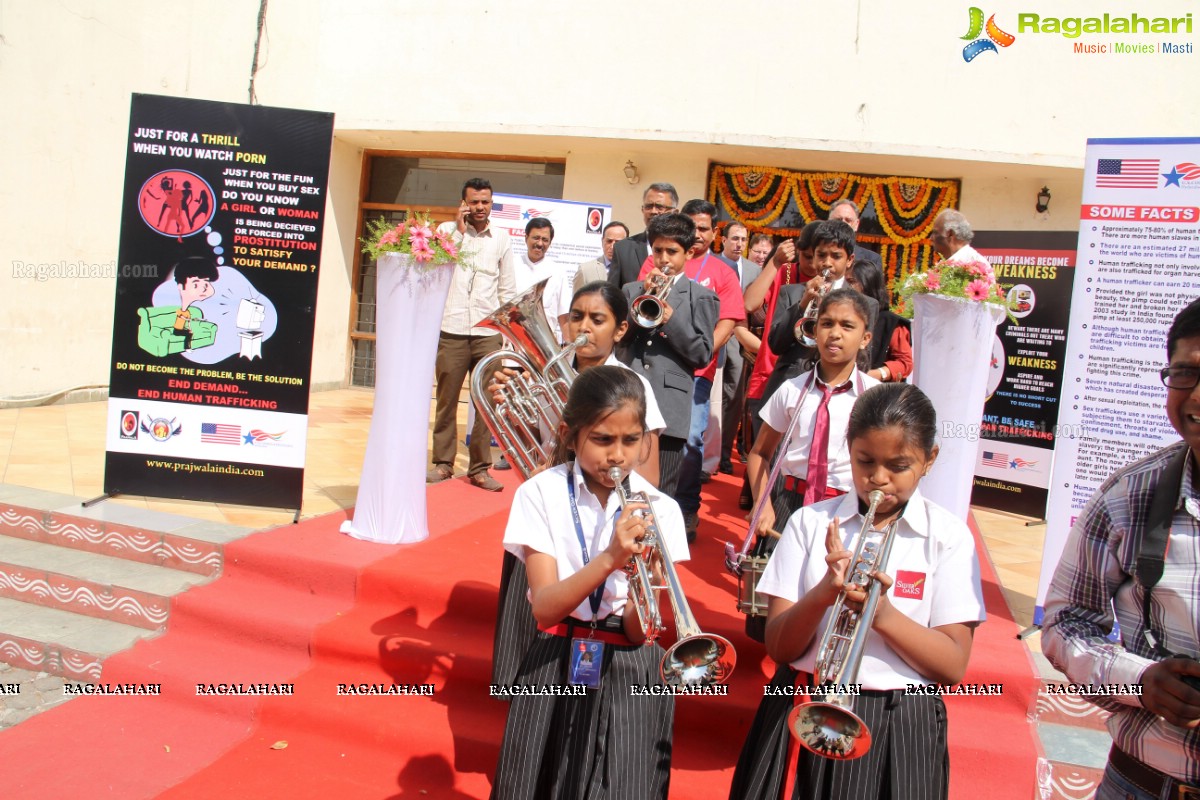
109 495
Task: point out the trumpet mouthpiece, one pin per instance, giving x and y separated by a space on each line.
615 474
875 497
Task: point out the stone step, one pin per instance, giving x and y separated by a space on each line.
113 529
1074 760
1054 705
86 583
61 642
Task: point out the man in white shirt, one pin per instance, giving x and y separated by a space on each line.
533 266
483 282
951 237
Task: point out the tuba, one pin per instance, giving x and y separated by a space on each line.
525 422
648 309
696 658
806 328
830 728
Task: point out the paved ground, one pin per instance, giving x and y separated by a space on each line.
34 692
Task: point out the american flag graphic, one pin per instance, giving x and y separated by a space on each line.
1020 463
510 210
215 433
993 459
1127 173
1190 171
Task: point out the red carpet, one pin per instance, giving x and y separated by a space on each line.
307 605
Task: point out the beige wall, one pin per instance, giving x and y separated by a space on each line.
870 87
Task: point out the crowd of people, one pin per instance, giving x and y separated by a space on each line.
813 366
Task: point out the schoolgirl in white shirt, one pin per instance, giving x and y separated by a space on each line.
600 311
567 526
922 633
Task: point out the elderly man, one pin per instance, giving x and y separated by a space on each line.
952 235
597 268
846 211
630 254
484 282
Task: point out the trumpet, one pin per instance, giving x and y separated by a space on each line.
650 308
696 658
806 328
831 728
524 422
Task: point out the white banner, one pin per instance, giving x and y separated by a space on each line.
577 226
1138 265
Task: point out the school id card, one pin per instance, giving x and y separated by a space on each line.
587 655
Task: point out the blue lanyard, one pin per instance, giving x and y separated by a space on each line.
595 596
700 271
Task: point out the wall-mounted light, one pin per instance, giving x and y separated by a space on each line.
1043 200
631 173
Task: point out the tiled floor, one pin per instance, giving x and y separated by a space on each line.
61 449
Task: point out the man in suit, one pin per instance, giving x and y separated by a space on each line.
668 354
597 268
846 211
629 254
732 401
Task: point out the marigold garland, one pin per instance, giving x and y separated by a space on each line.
904 207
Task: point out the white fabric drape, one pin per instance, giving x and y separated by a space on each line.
952 350
408 314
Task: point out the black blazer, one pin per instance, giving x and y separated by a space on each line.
668 356
628 256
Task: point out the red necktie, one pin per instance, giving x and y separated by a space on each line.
818 453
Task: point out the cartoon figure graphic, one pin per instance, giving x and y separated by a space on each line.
174 192
224 313
181 328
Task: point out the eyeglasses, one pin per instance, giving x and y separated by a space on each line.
657 207
1180 377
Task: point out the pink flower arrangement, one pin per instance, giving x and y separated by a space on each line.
966 280
416 237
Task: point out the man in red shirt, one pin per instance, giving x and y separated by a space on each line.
715 274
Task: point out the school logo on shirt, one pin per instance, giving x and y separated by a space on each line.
909 584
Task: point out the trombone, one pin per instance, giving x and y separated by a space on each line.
525 421
830 728
696 658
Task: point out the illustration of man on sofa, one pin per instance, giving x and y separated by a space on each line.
165 330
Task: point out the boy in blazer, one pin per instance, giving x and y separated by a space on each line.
668 354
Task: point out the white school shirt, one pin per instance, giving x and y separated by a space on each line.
933 565
540 519
791 398
655 422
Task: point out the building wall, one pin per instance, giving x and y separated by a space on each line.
870 87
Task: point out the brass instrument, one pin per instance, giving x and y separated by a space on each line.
830 728
650 308
806 328
525 422
696 658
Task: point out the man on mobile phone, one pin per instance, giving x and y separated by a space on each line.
483 282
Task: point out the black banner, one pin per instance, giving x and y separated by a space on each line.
1020 417
215 315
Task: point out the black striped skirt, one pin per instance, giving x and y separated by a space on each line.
607 745
908 760
515 625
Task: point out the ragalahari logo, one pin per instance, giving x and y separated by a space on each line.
995 37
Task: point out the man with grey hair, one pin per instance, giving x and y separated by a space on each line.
952 235
846 210
629 254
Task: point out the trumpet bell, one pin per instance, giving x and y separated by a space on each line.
830 731
701 660
647 311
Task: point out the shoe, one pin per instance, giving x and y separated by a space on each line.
485 481
438 473
746 499
691 521
725 467
705 477
502 464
